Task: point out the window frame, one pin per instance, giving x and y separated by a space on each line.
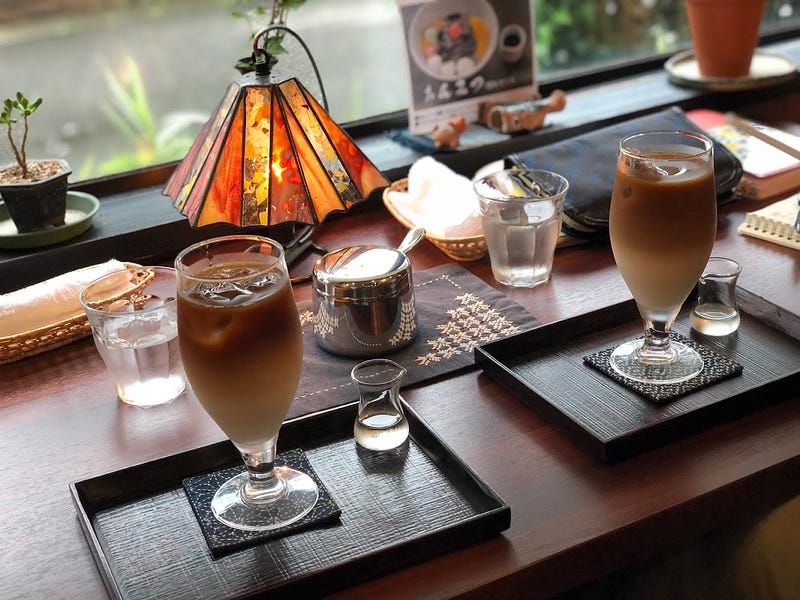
137 223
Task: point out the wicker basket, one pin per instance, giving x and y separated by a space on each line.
54 335
463 249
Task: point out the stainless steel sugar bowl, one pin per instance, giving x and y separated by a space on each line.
364 301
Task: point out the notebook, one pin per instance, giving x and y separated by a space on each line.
768 171
775 223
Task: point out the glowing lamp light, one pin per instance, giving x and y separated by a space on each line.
270 153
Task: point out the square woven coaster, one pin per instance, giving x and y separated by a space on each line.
222 539
715 368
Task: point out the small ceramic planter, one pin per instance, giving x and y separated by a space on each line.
725 34
38 204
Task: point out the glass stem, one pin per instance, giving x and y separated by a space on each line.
656 347
262 484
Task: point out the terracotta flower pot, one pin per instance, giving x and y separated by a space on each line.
38 204
724 35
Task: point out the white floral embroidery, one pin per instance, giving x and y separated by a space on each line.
473 322
324 323
407 327
306 317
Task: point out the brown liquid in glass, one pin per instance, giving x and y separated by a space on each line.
662 229
243 360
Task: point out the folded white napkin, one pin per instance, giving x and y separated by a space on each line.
439 200
49 302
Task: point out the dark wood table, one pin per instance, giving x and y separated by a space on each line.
573 518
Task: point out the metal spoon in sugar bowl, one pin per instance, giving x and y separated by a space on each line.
413 237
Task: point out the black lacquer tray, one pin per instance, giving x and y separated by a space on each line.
545 368
398 508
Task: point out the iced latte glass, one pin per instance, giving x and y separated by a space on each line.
663 223
242 351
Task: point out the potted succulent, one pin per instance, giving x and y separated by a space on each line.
34 192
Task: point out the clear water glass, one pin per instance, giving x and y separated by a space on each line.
521 213
133 315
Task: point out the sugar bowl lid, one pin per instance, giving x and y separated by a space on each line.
362 273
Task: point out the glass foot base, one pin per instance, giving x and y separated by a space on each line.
293 500
680 363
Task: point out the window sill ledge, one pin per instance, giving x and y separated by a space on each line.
140 224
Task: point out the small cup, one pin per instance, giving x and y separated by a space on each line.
715 312
718 52
521 219
381 423
134 325
513 39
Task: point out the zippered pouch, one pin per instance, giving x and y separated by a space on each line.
589 161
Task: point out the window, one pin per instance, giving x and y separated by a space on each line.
127 84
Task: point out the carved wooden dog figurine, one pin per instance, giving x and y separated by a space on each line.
523 116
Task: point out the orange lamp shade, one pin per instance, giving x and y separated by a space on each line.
269 154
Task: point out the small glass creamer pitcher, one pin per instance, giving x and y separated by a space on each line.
715 312
381 423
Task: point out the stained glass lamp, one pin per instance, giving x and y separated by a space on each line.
270 153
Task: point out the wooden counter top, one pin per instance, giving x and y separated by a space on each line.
573 518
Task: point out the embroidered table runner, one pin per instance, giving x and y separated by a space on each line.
455 312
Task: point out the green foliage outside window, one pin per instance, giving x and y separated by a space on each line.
576 34
571 36
130 113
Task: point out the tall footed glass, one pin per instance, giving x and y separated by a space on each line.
662 223
242 349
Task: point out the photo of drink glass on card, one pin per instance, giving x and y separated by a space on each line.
464 53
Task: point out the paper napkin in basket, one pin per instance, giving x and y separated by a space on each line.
43 305
439 200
